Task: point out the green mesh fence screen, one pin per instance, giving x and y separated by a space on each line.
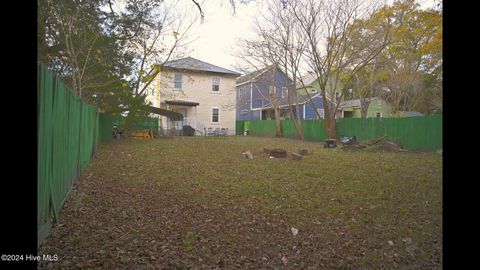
145 123
107 121
314 130
414 133
69 131
67 138
260 128
239 127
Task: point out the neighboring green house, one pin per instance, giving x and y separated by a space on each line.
377 108
312 86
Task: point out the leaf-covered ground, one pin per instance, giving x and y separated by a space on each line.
198 203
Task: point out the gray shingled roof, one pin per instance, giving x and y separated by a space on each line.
307 79
191 63
352 103
412 114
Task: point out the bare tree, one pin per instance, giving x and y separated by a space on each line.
278 44
332 54
164 35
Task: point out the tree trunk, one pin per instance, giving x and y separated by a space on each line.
364 104
298 122
278 123
298 128
330 126
329 114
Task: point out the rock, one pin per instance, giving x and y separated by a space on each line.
248 155
284 260
407 240
296 156
390 242
294 231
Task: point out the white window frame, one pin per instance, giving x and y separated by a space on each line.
284 92
211 117
322 113
251 96
272 90
213 84
181 82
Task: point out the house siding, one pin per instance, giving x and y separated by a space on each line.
259 89
310 113
243 102
376 105
197 87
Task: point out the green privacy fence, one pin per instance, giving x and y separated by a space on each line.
67 137
69 131
239 127
107 121
145 123
260 128
313 130
420 133
414 133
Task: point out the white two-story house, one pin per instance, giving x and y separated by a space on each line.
203 93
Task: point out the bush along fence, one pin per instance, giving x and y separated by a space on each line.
68 131
414 133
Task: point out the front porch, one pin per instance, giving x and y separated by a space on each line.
269 114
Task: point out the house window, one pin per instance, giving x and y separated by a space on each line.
177 81
378 114
321 113
215 84
284 92
215 115
272 90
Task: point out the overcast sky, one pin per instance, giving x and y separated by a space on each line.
217 35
